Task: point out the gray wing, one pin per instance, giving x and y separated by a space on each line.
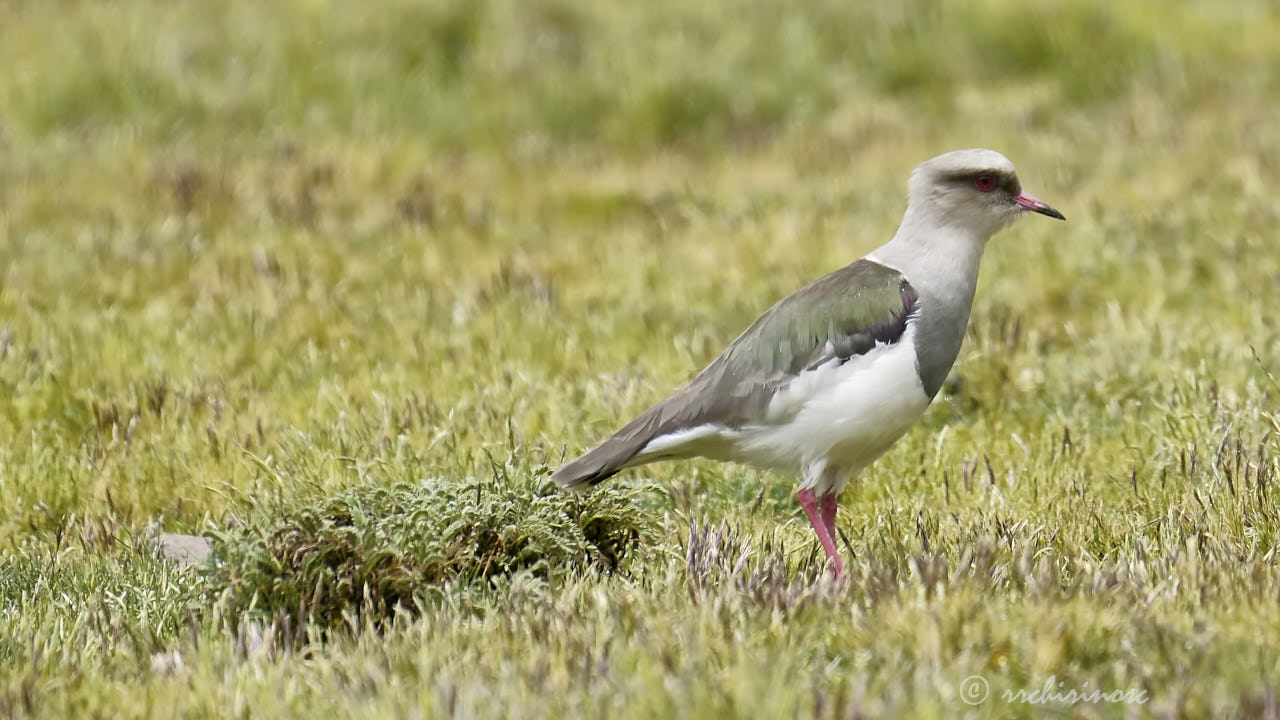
839 316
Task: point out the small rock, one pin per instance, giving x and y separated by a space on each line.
186 550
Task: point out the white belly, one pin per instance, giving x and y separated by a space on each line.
843 415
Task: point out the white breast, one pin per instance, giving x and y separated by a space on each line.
847 414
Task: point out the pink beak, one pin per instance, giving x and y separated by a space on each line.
1035 204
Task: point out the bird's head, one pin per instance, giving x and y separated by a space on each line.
976 189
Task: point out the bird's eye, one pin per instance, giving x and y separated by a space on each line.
986 182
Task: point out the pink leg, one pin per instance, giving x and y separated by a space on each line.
810 505
828 503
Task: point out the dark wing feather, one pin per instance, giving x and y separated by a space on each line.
838 316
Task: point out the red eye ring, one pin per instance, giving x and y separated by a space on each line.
986 182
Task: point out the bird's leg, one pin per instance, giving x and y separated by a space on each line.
808 501
828 503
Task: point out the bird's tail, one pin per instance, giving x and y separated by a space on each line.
598 465
615 454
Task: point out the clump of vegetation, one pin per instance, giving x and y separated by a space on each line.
375 548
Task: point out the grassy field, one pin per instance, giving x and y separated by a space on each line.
337 287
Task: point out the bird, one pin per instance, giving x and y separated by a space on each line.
830 377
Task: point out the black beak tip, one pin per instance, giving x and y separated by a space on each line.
1052 213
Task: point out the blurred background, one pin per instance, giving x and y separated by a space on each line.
276 217
448 224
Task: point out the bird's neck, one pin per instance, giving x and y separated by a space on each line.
940 257
941 261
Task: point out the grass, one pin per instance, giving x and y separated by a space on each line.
338 287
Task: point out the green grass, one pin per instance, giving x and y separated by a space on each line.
337 287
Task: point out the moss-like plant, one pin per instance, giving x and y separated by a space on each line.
375 548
